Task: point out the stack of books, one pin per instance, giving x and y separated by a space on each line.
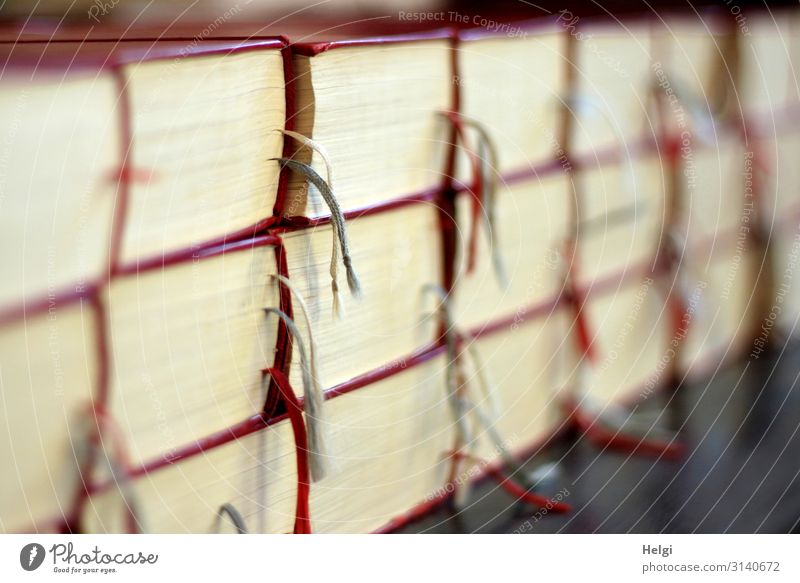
273 286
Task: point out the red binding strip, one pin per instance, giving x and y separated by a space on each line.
40 305
542 25
446 197
195 254
67 296
455 105
283 341
476 190
72 519
88 55
608 155
258 422
288 124
593 429
289 224
514 489
294 410
312 49
102 388
576 299
448 230
428 506
125 172
104 432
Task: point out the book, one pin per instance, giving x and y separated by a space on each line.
776 211
189 339
172 354
391 440
620 215
526 369
398 252
621 219
178 172
389 92
719 267
516 104
612 76
531 227
48 373
768 53
188 343
694 70
73 247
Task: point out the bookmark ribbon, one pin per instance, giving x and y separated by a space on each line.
318 457
339 229
302 519
485 168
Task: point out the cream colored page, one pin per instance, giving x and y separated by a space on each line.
396 254
622 218
692 58
712 185
631 340
256 474
48 371
723 300
531 225
187 347
57 188
767 80
204 130
375 110
613 80
525 371
389 439
514 87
